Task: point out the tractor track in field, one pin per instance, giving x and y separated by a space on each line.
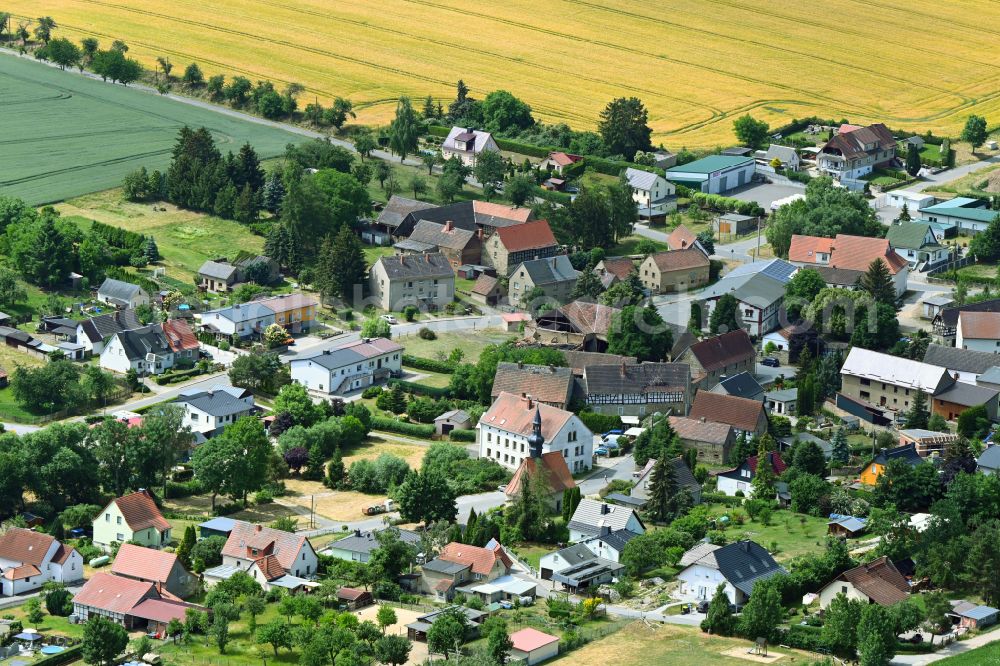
78 167
80 135
763 45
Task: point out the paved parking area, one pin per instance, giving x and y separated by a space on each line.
765 193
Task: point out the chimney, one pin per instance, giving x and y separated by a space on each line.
623 369
448 226
745 546
257 528
479 233
703 419
531 403
357 533
605 530
520 366
552 368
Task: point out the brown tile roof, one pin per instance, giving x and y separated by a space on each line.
980 325
564 159
484 284
270 567
680 260
879 580
162 610
138 562
288 302
778 465
851 140
544 383
626 379
858 252
578 360
557 473
62 554
21 572
515 414
804 249
180 337
722 350
487 210
620 267
482 560
589 317
350 593
741 413
445 235
697 430
25 546
534 235
284 545
681 238
140 511
114 594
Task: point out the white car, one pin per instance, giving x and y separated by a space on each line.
390 319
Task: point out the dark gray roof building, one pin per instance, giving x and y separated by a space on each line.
219 401
398 208
742 385
364 542
118 292
624 379
549 270
960 360
104 326
742 563
433 265
146 340
217 270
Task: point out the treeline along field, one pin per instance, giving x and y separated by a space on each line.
697 64
64 135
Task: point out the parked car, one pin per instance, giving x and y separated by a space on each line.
390 319
771 362
601 451
616 431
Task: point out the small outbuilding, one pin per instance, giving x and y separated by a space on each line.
971 616
354 598
533 646
456 419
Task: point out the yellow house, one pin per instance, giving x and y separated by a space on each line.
295 312
134 518
875 469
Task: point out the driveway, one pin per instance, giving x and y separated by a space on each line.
765 193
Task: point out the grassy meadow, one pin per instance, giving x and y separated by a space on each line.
66 135
696 63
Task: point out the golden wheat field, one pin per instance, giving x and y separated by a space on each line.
916 64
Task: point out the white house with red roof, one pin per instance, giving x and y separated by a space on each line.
274 558
459 564
159 567
846 252
29 559
504 431
134 517
134 604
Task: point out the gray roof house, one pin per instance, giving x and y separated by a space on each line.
578 567
782 402
397 209
209 412
554 275
988 461
92 333
122 294
786 443
412 279
682 474
145 350
742 385
968 363
789 156
359 546
592 517
738 566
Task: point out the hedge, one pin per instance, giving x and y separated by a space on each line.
64 657
179 489
719 498
174 377
463 435
402 427
420 389
555 197
600 423
428 364
804 637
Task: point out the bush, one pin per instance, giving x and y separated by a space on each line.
804 637
462 435
263 496
371 392
599 423
426 334
402 427
178 489
428 364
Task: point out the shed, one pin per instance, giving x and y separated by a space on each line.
354 598
845 526
456 419
220 526
734 223
974 617
533 646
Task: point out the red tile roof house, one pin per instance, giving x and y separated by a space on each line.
181 339
274 558
131 603
162 569
743 414
134 517
557 161
511 246
458 563
533 646
29 559
354 598
854 253
721 356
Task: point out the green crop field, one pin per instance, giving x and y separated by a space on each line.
64 135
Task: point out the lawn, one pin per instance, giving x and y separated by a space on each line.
629 245
639 644
185 238
67 135
51 624
794 533
373 53
988 655
471 343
